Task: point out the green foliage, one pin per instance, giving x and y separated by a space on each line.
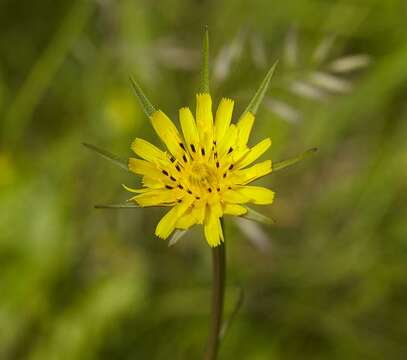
80 283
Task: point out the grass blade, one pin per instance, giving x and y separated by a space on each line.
43 71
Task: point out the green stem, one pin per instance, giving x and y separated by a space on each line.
218 291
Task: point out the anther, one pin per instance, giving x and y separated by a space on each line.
203 152
231 167
169 187
189 192
217 164
217 189
182 146
178 168
224 175
173 178
172 159
184 158
210 190
180 186
165 172
193 148
230 150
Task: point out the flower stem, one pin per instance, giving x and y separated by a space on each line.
218 291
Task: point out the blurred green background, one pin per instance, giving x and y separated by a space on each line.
328 281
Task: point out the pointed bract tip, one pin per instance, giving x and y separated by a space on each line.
204 82
145 103
261 91
258 217
176 236
107 155
285 163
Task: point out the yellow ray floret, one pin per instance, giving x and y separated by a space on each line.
223 117
204 117
204 174
188 126
244 127
167 131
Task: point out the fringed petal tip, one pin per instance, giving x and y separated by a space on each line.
160 236
215 245
225 101
203 95
184 108
213 229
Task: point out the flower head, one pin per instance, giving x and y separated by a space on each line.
206 168
204 173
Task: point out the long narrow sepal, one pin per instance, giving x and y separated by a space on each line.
176 236
204 82
147 106
285 163
109 156
116 206
261 91
258 217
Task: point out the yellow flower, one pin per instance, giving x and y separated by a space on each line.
204 173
